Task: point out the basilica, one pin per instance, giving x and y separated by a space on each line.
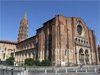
65 41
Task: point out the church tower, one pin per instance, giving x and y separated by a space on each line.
23 30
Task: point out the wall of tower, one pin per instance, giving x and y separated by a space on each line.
23 30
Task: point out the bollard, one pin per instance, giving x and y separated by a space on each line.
26 71
6 70
3 71
86 70
18 73
94 69
12 72
73 69
76 70
55 71
66 70
45 71
58 69
22 73
81 69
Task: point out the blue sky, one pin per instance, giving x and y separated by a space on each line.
39 12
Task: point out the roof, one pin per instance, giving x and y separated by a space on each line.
27 39
25 16
6 41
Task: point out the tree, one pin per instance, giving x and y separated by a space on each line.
29 61
10 60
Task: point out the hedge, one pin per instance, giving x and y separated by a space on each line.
29 61
10 61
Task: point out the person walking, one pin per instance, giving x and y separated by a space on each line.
81 65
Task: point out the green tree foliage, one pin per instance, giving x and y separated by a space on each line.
29 61
10 60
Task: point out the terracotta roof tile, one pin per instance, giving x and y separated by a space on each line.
6 41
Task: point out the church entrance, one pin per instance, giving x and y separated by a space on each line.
81 56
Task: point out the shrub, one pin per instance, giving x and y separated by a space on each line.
29 61
45 63
37 63
10 60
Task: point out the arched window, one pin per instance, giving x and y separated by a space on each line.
75 39
81 41
25 55
4 56
29 55
79 29
78 40
84 41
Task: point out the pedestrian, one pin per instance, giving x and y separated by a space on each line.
81 65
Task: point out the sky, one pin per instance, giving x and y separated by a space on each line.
38 12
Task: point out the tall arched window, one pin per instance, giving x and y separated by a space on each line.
79 29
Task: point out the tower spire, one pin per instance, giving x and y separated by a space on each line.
25 16
23 29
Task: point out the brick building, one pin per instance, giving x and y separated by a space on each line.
62 40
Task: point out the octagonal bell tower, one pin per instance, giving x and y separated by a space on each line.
23 30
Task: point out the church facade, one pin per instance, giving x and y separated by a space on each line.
65 41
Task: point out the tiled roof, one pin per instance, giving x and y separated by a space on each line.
6 41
